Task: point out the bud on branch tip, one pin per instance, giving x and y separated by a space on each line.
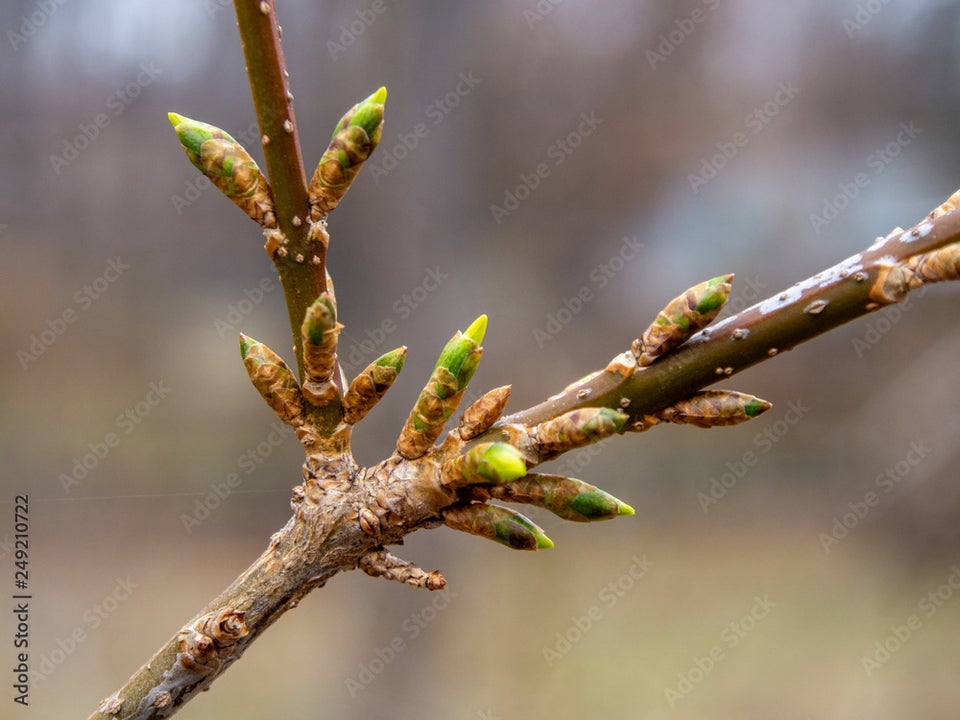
496 463
567 498
681 318
499 524
441 395
228 166
273 380
354 140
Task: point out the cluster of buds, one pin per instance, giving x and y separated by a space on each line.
480 460
229 166
323 382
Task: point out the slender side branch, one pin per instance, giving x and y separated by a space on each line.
305 279
842 293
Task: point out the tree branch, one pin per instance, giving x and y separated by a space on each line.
344 515
831 298
270 85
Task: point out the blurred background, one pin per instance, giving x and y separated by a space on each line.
803 565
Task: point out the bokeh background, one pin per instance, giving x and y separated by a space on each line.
819 579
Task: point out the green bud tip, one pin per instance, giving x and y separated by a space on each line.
502 463
718 290
193 133
393 359
543 542
321 316
756 407
477 329
618 418
246 343
368 114
625 509
456 352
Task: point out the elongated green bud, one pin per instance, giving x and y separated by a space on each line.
576 429
273 380
568 498
320 330
715 408
440 397
371 385
495 463
497 523
682 317
483 413
228 165
354 140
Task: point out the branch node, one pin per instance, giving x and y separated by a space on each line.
381 563
369 522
